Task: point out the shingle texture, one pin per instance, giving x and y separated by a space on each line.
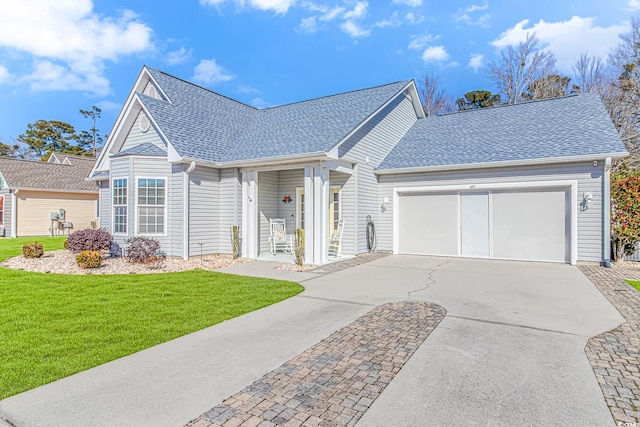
48 176
562 127
205 125
145 149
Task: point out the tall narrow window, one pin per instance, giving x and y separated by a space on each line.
334 209
151 205
300 209
1 210
120 205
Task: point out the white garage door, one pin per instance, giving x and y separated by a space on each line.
530 224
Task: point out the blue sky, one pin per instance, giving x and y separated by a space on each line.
59 56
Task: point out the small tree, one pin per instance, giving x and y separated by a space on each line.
625 211
478 99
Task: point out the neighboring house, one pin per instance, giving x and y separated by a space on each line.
530 181
30 191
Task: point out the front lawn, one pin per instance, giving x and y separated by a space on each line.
634 283
54 325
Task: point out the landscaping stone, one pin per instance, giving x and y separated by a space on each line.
335 381
615 355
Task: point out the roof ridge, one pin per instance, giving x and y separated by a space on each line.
530 101
336 94
203 88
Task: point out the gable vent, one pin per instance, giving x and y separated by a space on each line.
152 91
144 123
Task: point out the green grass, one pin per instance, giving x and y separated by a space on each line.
54 325
634 283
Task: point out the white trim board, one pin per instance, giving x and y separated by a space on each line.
572 185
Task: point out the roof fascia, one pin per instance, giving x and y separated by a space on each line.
417 105
283 160
527 162
332 152
117 127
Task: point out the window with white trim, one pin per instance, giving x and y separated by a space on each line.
119 191
151 205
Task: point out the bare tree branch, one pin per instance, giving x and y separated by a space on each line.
435 100
519 68
590 74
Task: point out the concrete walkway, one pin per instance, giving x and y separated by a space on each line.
509 351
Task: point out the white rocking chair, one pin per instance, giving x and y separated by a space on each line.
335 242
278 236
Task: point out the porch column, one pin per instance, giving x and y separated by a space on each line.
250 230
308 215
320 215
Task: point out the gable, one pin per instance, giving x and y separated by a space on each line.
141 132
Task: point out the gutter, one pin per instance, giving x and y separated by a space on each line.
507 163
185 210
320 155
606 213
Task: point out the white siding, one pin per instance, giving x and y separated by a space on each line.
347 210
176 201
267 204
137 137
105 204
7 212
204 201
377 137
589 180
368 205
229 207
288 182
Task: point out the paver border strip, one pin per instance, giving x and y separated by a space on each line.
615 355
334 382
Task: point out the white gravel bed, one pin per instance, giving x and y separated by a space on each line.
63 262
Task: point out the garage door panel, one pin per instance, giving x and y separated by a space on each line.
530 224
428 224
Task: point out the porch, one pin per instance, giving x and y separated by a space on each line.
310 197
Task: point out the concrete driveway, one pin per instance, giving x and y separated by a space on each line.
509 351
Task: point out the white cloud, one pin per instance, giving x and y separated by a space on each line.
179 56
332 13
393 21
260 103
465 15
70 42
209 72
278 6
4 74
359 11
308 25
566 39
248 89
633 5
411 18
420 42
476 60
109 105
354 29
412 3
435 54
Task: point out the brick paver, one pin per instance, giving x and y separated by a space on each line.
335 381
349 262
615 355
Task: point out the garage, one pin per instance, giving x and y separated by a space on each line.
529 223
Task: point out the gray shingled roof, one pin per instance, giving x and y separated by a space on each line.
562 127
145 149
205 125
48 176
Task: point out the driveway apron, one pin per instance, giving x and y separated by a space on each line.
509 351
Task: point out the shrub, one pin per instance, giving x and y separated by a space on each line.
89 259
114 250
143 250
66 243
33 250
299 250
89 240
625 211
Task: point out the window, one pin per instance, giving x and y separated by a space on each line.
119 192
151 205
1 210
300 207
334 209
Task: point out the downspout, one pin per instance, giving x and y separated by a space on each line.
606 214
185 211
14 213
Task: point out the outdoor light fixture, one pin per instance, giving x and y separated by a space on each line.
286 199
385 202
587 198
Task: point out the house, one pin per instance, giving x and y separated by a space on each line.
529 182
32 191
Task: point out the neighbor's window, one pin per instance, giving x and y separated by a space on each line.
119 191
151 205
1 210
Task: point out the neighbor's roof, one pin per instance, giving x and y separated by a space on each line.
202 124
571 126
22 174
